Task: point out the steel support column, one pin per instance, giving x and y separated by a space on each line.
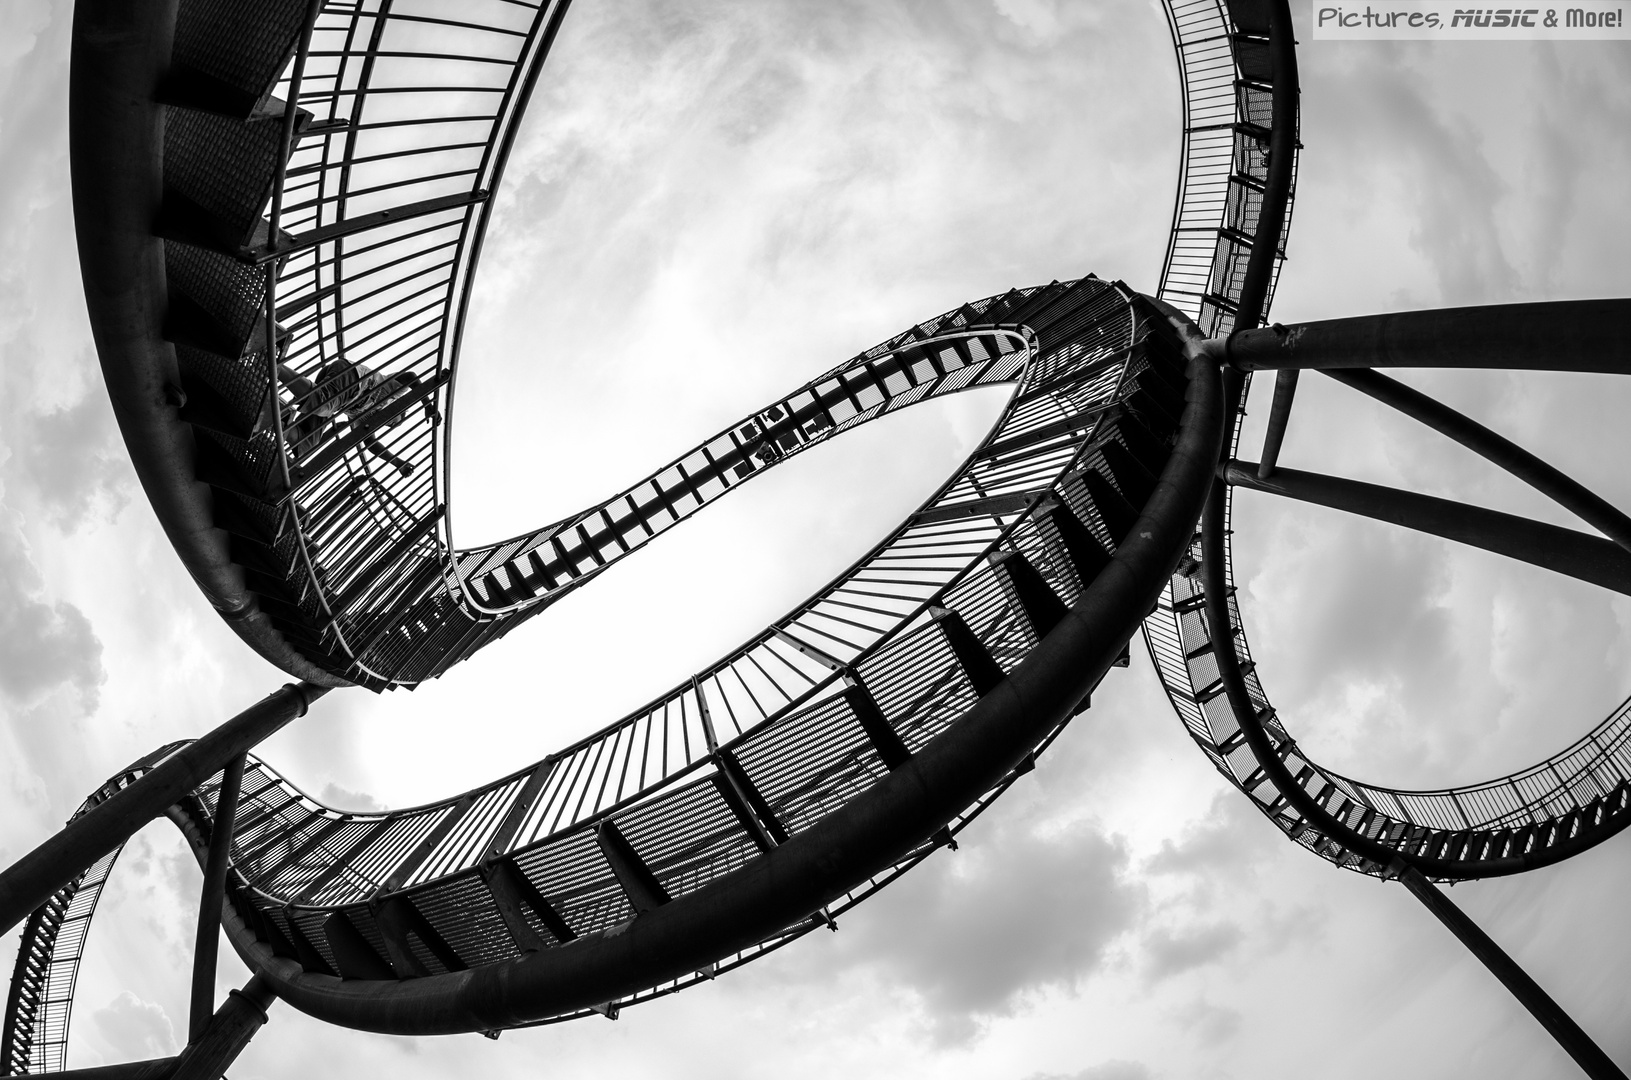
1566 492
210 897
1579 555
243 1013
209 1053
1285 391
1586 1053
31 880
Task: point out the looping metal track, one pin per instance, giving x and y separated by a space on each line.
39 1005
1571 801
882 711
337 556
280 340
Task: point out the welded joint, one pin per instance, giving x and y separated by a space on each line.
256 1001
298 692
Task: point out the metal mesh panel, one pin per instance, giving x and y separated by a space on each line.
241 384
223 165
215 37
233 294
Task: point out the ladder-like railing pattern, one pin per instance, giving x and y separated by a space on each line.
1582 792
794 724
39 1003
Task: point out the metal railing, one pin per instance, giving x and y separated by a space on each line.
1227 114
798 663
39 1004
1583 789
782 716
397 118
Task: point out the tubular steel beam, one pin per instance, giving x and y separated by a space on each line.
1285 390
243 1013
31 880
1571 495
1254 287
1569 1035
1579 555
210 898
152 1069
868 834
121 53
1567 335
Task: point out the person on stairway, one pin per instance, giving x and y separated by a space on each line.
354 393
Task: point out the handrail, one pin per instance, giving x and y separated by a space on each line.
1502 825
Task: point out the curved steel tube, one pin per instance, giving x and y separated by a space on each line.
376 593
1093 363
1577 798
29 881
39 1004
869 834
1567 492
116 147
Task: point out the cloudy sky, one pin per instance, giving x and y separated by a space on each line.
708 205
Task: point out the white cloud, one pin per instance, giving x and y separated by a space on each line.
960 935
133 1029
1105 1070
1172 952
44 643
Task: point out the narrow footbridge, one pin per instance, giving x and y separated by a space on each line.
280 213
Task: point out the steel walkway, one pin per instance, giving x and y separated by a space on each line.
279 219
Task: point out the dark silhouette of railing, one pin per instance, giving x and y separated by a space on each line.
285 330
1534 818
1578 796
39 1005
840 704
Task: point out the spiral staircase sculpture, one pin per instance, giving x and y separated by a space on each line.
280 216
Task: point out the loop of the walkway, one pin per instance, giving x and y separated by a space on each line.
1558 807
277 281
278 232
39 1004
940 716
626 866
